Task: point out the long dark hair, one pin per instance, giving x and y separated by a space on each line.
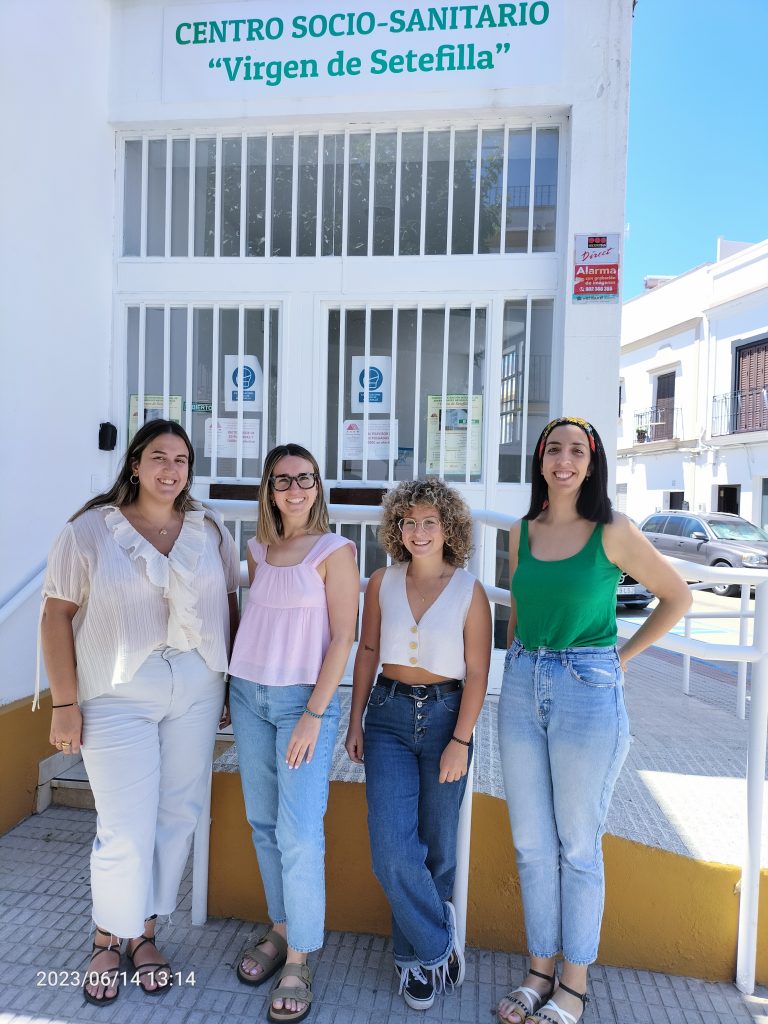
593 502
269 524
123 491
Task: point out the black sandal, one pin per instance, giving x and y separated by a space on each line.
565 1017
531 995
113 973
141 971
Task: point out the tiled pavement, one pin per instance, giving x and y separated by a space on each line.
677 791
44 912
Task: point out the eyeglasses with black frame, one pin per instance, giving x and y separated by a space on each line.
282 482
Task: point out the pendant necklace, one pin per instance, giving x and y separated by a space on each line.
162 530
442 576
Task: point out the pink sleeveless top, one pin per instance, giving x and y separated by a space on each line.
285 632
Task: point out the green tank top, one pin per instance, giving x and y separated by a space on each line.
567 603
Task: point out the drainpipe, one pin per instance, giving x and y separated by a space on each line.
756 747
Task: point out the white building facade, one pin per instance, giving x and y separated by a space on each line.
274 222
693 396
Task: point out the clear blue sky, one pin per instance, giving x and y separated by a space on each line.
698 133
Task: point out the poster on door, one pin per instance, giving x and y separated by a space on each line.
596 268
242 377
463 418
153 410
226 438
379 434
375 392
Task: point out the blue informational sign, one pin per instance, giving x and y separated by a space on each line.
243 379
248 377
370 385
375 380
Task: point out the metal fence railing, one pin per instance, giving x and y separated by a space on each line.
742 653
740 411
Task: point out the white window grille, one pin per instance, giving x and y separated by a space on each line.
180 365
526 380
375 192
421 411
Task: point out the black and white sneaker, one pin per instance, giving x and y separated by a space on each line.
416 987
455 967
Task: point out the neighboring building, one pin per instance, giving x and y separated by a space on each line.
693 392
307 197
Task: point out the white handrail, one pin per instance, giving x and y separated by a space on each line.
755 653
23 594
743 653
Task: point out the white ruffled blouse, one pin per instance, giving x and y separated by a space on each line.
133 599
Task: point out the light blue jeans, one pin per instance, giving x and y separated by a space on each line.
285 806
563 737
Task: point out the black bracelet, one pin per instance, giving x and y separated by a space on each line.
464 743
57 706
312 714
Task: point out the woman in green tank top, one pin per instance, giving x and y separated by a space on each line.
563 728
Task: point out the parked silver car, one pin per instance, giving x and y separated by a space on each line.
714 538
631 593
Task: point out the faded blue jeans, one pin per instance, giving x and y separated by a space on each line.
285 806
413 818
563 737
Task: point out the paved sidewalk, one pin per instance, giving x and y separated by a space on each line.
44 921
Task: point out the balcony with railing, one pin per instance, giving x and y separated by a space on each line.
740 411
659 423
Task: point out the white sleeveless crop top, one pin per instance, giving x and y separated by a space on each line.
436 642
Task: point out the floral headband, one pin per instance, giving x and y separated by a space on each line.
577 421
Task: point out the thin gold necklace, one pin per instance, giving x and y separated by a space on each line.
162 530
443 575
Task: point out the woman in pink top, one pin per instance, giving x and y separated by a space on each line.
289 656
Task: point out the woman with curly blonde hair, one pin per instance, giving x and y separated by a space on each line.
428 622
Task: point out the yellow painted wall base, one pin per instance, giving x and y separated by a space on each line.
24 743
663 913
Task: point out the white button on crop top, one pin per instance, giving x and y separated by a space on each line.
436 642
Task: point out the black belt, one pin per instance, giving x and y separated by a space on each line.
428 692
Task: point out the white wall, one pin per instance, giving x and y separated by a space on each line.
589 79
56 180
696 321
60 281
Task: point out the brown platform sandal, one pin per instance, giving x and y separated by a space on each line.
533 999
143 971
113 973
269 964
302 994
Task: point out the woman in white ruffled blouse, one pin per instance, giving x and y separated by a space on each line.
139 610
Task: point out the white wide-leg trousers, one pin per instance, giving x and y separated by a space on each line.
147 748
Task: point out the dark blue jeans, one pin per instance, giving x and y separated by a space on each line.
413 818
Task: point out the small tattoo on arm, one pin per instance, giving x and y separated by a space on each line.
367 648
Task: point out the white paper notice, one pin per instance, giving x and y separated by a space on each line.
378 439
226 439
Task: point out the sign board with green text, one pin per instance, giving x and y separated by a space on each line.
264 48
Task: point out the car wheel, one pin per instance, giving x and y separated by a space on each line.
725 589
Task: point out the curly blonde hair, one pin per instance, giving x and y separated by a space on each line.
454 514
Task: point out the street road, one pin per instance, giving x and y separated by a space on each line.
724 630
